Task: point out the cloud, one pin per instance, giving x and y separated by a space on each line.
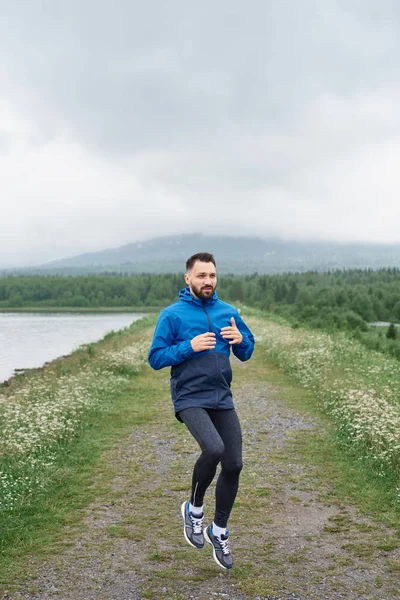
129 120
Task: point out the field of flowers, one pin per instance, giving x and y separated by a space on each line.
358 387
42 412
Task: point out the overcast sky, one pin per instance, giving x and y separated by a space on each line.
124 120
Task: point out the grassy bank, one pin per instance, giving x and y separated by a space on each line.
358 387
65 431
55 425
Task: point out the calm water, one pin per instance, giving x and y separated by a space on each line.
27 340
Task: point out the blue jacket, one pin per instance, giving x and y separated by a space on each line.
198 378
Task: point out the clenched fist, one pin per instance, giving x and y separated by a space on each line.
204 341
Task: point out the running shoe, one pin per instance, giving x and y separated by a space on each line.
221 551
192 527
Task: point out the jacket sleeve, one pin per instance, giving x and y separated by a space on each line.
244 350
164 351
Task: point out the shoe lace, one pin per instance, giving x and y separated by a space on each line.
224 546
197 523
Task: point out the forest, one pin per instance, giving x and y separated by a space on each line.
338 300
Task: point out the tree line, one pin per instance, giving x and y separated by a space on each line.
345 300
334 299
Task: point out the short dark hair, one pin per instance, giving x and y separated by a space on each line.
202 257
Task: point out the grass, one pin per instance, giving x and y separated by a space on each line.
360 389
132 450
33 524
335 459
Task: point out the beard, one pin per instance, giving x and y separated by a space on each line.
204 293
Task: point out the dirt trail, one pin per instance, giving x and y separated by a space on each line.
288 539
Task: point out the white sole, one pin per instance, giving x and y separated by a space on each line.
214 554
184 527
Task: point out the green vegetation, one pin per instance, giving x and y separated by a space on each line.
92 291
337 300
340 299
360 389
391 333
55 423
116 445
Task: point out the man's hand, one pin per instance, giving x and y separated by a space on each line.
204 341
232 333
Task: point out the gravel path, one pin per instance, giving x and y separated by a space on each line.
289 539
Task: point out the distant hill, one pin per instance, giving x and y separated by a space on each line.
233 255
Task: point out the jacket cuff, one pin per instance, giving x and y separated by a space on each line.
187 350
243 343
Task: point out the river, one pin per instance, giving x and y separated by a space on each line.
28 340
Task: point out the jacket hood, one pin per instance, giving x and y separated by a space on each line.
187 296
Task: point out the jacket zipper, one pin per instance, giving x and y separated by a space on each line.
210 329
215 352
208 318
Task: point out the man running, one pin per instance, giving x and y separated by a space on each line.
194 337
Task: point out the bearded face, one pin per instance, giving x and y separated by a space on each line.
202 280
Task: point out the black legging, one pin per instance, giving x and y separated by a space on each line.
220 438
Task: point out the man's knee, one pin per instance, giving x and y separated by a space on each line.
215 452
233 467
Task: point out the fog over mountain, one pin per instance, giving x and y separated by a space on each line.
233 254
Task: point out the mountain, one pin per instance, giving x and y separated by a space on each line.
233 255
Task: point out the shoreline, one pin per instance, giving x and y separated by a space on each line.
21 371
81 309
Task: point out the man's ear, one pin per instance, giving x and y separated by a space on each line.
186 276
